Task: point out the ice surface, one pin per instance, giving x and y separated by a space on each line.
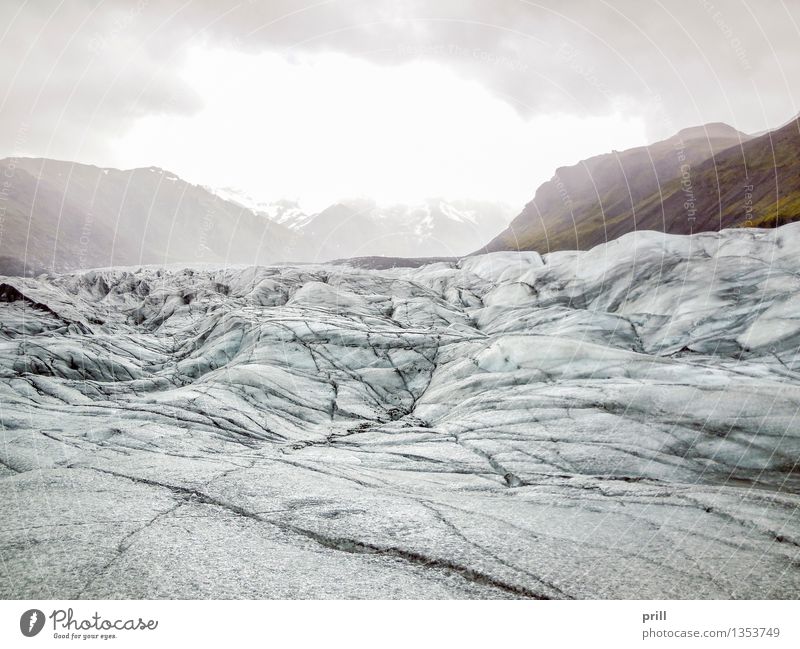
616 423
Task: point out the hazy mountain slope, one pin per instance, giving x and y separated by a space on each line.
64 215
617 423
285 212
340 231
432 228
361 227
604 197
757 185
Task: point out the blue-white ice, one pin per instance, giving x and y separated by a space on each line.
617 423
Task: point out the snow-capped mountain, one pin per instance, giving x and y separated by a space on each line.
361 227
431 228
59 215
285 212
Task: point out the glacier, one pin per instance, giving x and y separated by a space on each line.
614 423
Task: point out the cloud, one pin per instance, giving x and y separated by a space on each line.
83 72
328 125
77 75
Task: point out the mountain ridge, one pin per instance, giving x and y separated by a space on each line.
703 178
60 215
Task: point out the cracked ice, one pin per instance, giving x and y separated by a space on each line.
617 423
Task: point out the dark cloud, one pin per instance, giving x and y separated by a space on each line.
76 74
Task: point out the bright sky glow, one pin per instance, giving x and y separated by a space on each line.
322 127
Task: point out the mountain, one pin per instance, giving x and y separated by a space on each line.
672 186
361 227
64 215
285 212
431 228
60 216
755 185
612 423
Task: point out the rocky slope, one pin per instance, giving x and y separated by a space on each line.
57 216
674 186
63 216
617 423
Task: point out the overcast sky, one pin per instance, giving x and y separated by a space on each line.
394 99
